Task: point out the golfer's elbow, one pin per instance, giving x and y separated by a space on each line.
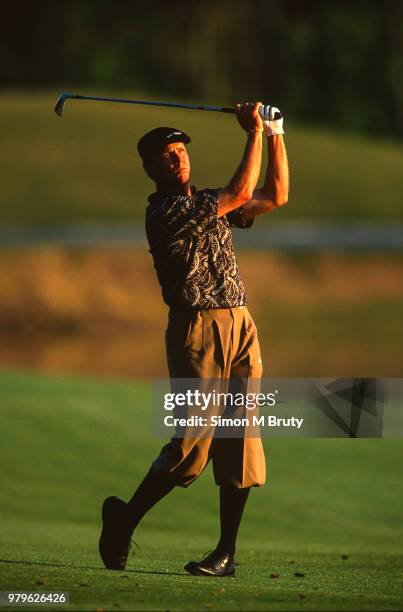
280 200
277 199
276 192
229 199
241 196
245 196
280 195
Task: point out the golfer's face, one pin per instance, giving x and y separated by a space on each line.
173 163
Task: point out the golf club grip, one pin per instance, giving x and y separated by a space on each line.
226 109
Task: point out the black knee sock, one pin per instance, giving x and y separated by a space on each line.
232 503
153 488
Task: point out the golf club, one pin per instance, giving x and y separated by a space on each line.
70 96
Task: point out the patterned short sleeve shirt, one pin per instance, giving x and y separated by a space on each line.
193 252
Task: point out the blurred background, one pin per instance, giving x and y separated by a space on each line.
324 274
80 307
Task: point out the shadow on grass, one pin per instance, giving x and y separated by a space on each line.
87 567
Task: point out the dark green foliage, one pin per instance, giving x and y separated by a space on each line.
339 63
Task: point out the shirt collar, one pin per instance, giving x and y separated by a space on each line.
156 197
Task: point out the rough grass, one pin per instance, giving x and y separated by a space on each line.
69 442
84 166
101 311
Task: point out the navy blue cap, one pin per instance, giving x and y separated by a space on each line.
156 140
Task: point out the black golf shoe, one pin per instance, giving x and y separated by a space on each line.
115 539
215 564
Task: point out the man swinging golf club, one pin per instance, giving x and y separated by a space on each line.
210 333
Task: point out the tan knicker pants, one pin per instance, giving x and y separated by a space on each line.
213 344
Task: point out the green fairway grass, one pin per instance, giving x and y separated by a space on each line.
67 443
85 167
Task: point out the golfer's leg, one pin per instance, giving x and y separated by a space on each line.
182 460
179 463
150 491
232 504
246 371
239 463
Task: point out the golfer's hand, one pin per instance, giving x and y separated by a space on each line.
272 120
249 117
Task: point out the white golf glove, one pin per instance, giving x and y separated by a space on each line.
272 120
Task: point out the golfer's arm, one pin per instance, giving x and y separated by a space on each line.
274 192
241 187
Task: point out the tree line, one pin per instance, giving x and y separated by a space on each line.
337 63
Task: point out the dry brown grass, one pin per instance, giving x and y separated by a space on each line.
100 311
323 277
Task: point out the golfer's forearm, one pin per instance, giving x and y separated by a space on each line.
276 182
247 175
242 184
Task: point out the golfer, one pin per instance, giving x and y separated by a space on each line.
210 333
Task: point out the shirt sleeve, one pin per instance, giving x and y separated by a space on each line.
193 215
235 218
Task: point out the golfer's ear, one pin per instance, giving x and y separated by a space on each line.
148 168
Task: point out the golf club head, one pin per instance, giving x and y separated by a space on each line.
60 104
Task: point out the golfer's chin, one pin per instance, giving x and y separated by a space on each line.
183 176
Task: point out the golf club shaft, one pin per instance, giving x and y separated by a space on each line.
68 96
